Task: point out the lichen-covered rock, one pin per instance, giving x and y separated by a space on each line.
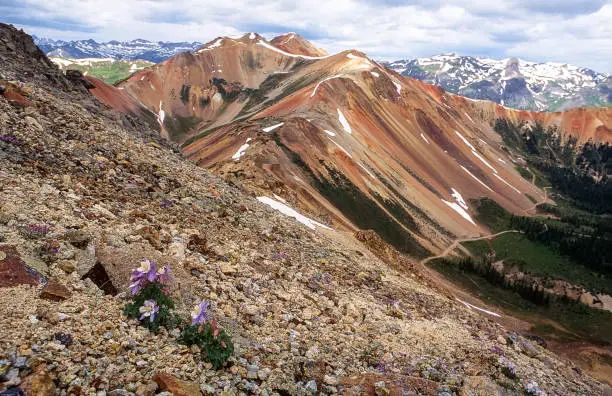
39 383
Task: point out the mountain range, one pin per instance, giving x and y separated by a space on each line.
124 50
512 82
328 209
341 135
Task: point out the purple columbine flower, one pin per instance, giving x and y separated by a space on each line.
149 309
135 285
149 269
141 275
533 389
198 314
163 274
505 363
10 139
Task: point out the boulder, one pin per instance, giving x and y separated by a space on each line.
31 121
118 263
15 98
77 77
167 382
55 291
480 386
13 269
38 383
147 389
227 268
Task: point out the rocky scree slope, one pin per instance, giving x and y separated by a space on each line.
86 197
513 82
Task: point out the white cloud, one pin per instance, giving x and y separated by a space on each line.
556 30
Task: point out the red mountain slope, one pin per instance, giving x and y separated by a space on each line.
342 138
295 44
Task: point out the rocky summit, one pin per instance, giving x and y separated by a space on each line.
89 192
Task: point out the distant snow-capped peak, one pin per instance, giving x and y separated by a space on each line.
514 82
127 50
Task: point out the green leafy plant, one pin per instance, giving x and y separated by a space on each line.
216 345
163 317
152 306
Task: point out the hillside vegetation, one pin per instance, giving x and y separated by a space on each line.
107 69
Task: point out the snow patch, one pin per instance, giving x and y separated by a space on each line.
465 140
273 127
459 198
460 206
365 63
470 306
213 45
341 148
367 170
375 74
321 82
398 87
508 184
330 133
279 198
252 36
344 122
291 37
288 211
241 151
484 161
459 210
424 138
502 161
280 51
161 116
475 178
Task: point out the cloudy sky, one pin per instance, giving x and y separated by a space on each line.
570 31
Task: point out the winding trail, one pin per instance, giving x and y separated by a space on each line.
465 297
545 200
453 246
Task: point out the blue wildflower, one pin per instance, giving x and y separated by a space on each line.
507 367
199 314
163 274
533 389
141 275
149 309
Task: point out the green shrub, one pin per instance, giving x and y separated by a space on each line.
152 306
216 345
164 317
